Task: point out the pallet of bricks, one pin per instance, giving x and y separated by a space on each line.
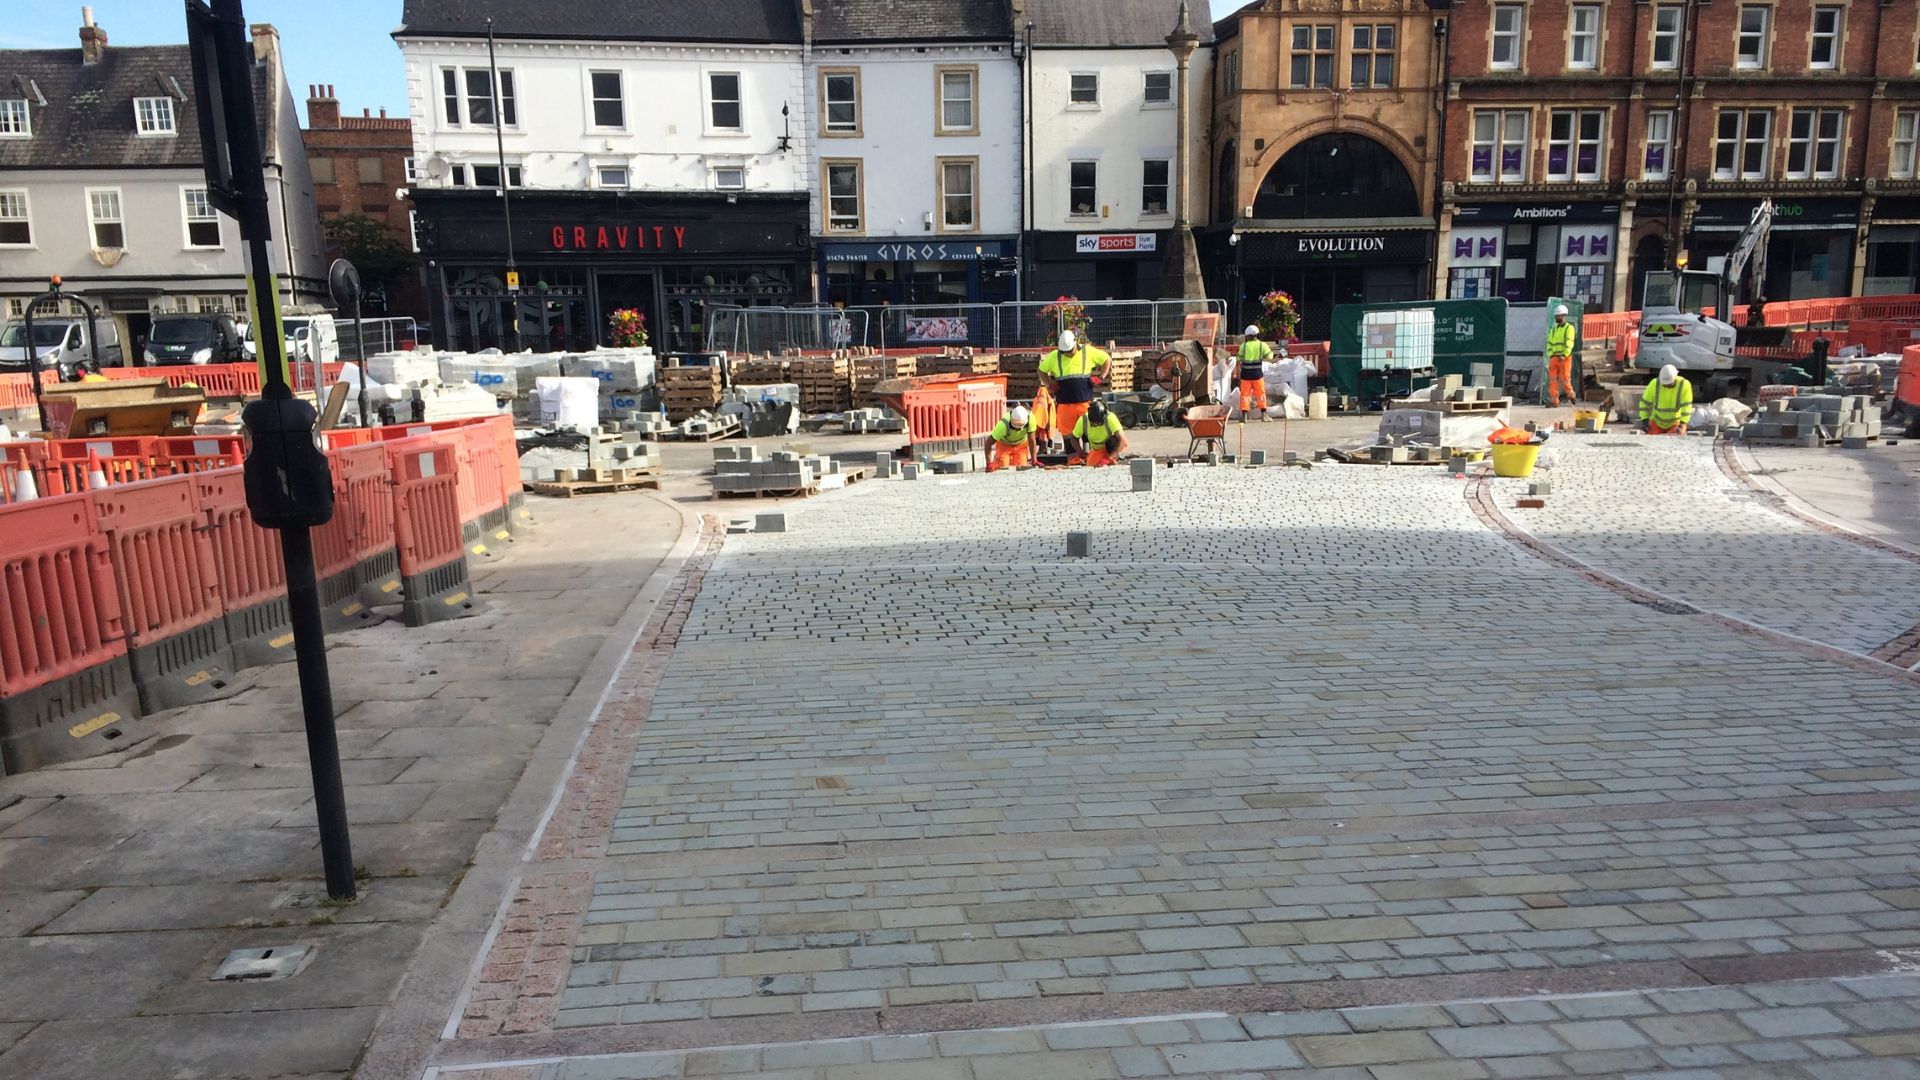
759 371
958 360
1023 374
871 371
826 383
688 390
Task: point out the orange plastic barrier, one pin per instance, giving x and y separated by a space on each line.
426 512
249 568
363 504
66 689
335 555
199 453
16 392
170 589
518 517
1315 351
952 413
120 460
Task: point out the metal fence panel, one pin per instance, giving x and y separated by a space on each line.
773 330
1017 325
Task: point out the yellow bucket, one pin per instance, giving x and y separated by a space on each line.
1594 417
1515 460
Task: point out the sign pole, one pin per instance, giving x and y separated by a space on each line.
289 482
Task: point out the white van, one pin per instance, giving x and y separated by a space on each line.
305 334
62 345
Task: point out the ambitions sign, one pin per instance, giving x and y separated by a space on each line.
619 238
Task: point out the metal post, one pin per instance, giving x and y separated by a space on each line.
360 338
506 200
289 482
33 353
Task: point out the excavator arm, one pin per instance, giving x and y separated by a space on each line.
1746 267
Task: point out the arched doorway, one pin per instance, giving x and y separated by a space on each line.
1336 175
1340 223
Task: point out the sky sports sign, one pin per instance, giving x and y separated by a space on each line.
1107 243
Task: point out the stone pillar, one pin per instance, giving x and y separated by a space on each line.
1623 258
1180 263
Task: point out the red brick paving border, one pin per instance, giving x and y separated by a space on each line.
518 988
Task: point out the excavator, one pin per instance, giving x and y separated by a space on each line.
1685 321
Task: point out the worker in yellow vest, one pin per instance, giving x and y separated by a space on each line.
1099 431
1560 358
1254 355
1012 440
1667 403
1068 373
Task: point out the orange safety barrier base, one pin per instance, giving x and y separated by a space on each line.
66 689
434 582
170 589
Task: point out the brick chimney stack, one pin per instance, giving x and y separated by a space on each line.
266 41
93 40
323 109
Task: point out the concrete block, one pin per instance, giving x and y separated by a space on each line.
784 455
1229 459
770 523
1812 439
1457 466
1141 466
1256 457
725 453
562 476
1480 374
1450 385
910 471
1398 454
1290 457
1853 442
882 460
1079 545
1540 488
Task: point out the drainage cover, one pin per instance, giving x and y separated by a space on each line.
272 962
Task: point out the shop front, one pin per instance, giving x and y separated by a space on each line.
878 273
1353 261
581 256
1809 257
1095 266
1529 252
1893 247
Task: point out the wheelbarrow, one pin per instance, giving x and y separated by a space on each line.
1207 426
1142 410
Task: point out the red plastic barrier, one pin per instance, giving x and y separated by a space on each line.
161 556
119 460
1315 351
60 610
335 438
16 391
426 504
247 559
951 413
363 498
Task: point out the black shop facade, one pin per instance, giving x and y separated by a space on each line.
1359 261
583 255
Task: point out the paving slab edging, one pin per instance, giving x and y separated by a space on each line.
446 962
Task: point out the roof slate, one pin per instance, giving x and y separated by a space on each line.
1113 23
738 21
847 21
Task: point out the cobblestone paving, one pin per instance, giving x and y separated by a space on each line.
1660 513
1287 734
1851 1029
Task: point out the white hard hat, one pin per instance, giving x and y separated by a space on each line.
1020 415
1560 310
1066 341
1668 375
1251 330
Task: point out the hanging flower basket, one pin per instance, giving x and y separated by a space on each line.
1279 318
1071 314
628 328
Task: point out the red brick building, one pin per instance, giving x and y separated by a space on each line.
359 164
1591 141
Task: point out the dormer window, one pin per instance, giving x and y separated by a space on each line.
153 116
15 122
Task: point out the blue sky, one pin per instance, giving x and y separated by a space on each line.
317 34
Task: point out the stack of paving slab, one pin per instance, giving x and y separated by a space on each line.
610 451
626 377
873 421
740 470
504 375
1815 419
647 425
416 367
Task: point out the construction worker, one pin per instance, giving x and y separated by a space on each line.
1067 373
1560 358
1254 355
1012 441
1099 431
1667 403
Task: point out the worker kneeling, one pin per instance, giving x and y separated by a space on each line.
1667 403
1099 432
1254 354
1012 441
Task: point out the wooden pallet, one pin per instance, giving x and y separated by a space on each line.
1453 408
679 435
567 489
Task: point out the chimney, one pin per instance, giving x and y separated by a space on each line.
93 40
266 41
323 109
